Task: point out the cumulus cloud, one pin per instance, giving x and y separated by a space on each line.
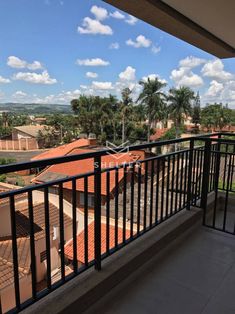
91 74
184 75
191 62
35 78
102 85
128 74
117 15
17 63
19 94
215 70
155 49
131 20
94 27
114 46
92 62
140 42
214 89
99 13
4 80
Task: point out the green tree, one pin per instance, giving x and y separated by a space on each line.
196 112
153 98
180 105
126 109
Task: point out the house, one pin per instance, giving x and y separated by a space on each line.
65 149
23 246
27 131
68 250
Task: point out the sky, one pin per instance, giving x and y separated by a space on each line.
52 51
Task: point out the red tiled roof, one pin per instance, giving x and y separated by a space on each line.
158 134
63 149
91 244
87 165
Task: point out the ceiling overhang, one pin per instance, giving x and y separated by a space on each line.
206 24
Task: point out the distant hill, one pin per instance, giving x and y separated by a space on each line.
35 108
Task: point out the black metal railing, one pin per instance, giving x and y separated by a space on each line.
73 222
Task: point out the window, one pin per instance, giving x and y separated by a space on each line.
43 256
91 201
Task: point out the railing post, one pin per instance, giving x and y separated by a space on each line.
205 179
97 208
190 166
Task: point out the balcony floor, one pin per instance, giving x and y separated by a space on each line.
196 274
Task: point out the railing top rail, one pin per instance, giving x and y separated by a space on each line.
59 160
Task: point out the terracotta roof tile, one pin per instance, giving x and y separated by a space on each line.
158 134
91 243
87 165
63 149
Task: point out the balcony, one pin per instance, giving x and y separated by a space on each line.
63 226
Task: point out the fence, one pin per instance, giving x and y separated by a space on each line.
129 200
21 144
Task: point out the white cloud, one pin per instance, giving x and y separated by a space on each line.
4 80
215 70
128 74
117 15
184 75
91 74
214 89
100 13
2 94
19 94
94 27
114 46
131 20
35 78
102 85
17 63
140 41
191 62
92 62
155 49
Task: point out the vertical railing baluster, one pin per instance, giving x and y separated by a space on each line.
32 246
151 193
14 252
107 211
116 205
205 180
97 179
181 180
163 189
61 218
189 187
86 239
74 215
145 193
139 198
132 197
185 177
157 191
216 184
48 243
124 204
177 182
227 193
172 184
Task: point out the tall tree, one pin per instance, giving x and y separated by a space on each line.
180 104
153 98
196 112
126 108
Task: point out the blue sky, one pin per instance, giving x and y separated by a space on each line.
54 50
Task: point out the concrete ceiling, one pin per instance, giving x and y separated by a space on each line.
206 24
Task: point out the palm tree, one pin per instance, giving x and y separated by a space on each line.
152 98
180 100
126 109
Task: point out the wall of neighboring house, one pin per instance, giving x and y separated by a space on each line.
17 135
8 293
